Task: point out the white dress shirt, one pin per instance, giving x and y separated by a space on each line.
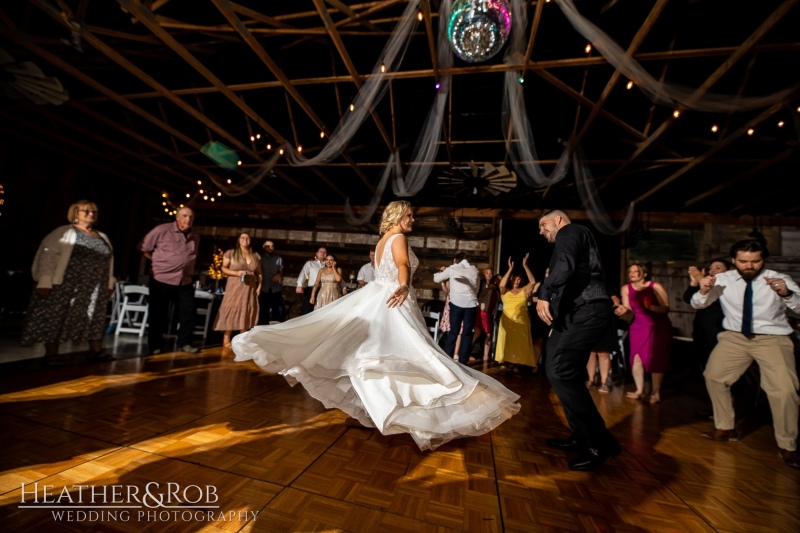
464 279
310 270
769 316
366 273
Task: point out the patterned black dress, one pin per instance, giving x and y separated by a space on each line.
75 310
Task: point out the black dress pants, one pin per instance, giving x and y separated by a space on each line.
568 347
182 299
459 315
269 307
307 305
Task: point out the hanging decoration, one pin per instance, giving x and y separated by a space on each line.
478 29
221 155
474 180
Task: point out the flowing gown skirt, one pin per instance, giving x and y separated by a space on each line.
381 367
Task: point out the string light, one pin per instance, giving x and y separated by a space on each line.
205 197
258 135
676 113
229 181
199 182
714 128
239 162
588 48
166 210
521 80
269 147
181 206
322 135
280 151
798 109
438 85
163 195
219 194
383 67
780 124
252 138
630 85
352 107
212 198
419 16
188 195
201 191
299 149
750 131
163 203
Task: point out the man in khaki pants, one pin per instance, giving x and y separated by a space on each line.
754 301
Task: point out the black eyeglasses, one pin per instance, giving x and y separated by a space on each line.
88 211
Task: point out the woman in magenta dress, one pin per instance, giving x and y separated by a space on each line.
650 332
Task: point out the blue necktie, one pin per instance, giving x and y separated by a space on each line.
747 310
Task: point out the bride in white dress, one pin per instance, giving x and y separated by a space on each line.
370 354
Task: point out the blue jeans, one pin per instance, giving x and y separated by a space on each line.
459 315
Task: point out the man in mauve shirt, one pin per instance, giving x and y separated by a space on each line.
172 248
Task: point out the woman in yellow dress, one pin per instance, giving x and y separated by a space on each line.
514 342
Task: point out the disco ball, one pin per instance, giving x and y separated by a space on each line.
478 29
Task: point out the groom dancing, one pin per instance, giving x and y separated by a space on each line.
573 301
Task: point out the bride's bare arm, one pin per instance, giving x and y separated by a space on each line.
400 255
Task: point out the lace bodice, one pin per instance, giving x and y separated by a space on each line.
387 272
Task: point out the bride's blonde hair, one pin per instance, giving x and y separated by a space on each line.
392 214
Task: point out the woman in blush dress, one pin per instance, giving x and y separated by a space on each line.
370 355
239 307
650 333
326 287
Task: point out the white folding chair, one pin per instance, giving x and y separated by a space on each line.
204 310
116 303
133 314
431 317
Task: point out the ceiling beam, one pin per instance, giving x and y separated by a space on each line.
467 70
333 33
719 146
352 14
723 69
227 11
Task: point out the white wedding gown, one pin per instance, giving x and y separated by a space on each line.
380 365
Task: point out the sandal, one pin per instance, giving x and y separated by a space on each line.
633 396
101 357
603 389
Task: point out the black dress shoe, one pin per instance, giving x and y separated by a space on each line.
568 445
590 459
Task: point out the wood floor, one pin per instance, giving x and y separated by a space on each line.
279 461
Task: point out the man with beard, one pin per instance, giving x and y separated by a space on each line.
754 301
573 300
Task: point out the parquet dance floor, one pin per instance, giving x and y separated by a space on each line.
277 460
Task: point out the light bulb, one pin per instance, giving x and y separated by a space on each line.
714 128
750 131
205 197
181 206
269 147
187 195
521 80
352 107
438 85
299 149
163 203
258 135
419 16
630 85
229 181
252 138
201 191
322 135
239 162
280 151
676 113
780 124
383 67
588 48
164 195
199 182
212 198
166 210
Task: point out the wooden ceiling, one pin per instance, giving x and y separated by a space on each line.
152 81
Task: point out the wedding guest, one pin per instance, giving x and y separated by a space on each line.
73 270
239 308
270 299
327 285
307 278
